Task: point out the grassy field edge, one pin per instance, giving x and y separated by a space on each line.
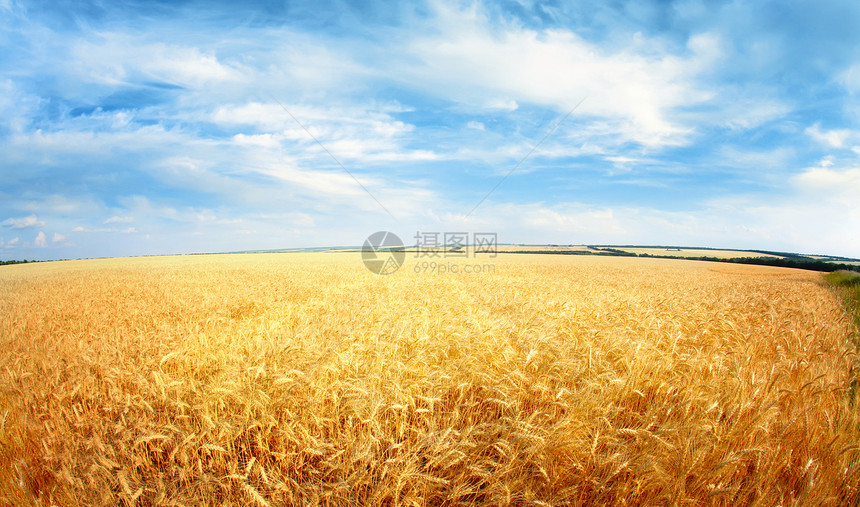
847 285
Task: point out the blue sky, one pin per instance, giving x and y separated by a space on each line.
135 128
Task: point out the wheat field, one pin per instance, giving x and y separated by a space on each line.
303 379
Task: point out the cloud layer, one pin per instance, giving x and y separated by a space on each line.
150 127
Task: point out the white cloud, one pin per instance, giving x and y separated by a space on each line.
40 241
130 230
83 141
624 164
113 59
16 106
476 125
12 242
258 140
143 206
836 138
791 223
98 229
55 204
638 86
850 78
57 238
806 222
751 109
23 223
709 47
502 104
775 159
830 184
116 219
351 132
268 116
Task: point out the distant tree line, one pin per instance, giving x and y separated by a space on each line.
3 263
796 261
614 251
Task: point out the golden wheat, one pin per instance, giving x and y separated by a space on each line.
292 379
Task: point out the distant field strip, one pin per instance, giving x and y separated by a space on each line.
697 252
298 378
661 252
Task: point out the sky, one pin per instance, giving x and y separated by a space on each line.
148 127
